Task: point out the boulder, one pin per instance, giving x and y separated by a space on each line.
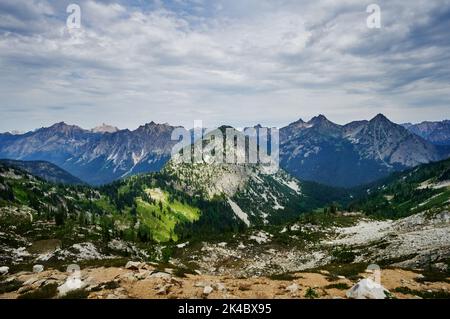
38 268
72 283
133 265
207 290
164 290
129 277
220 286
201 284
142 274
31 281
176 282
162 275
292 288
4 270
367 289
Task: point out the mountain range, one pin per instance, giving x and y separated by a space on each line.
318 150
95 156
352 154
435 132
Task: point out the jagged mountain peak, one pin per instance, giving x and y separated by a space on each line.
63 124
318 119
64 128
299 122
381 118
322 121
324 126
154 128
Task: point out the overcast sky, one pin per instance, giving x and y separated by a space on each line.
237 62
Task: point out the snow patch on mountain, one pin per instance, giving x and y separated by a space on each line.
238 211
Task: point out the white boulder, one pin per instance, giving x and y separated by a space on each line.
207 290
367 289
4 270
72 283
38 268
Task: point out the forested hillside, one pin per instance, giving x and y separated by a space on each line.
420 189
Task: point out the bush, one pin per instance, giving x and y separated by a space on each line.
351 271
340 286
423 294
343 256
76 294
46 292
283 277
10 286
111 285
311 293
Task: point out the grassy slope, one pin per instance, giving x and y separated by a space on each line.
162 216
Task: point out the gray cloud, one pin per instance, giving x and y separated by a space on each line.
237 62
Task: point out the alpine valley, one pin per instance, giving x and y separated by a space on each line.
140 224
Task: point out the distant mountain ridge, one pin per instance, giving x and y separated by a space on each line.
45 170
352 154
435 132
318 150
95 157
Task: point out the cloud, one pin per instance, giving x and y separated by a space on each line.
237 62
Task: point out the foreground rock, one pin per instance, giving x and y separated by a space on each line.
133 265
368 289
38 268
4 270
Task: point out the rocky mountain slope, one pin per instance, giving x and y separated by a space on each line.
411 229
354 154
95 157
45 170
258 193
435 132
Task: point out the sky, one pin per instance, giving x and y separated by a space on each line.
235 62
